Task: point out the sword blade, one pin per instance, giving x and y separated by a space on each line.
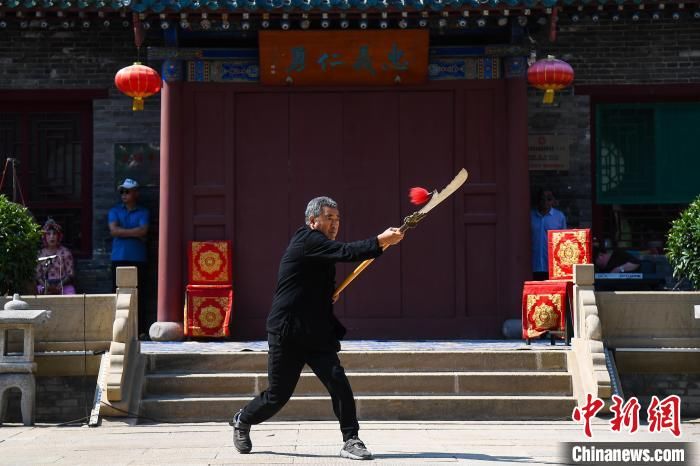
453 186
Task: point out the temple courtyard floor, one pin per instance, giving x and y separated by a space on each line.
475 443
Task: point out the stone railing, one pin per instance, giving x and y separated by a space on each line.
69 343
665 320
588 355
123 373
124 333
82 327
655 339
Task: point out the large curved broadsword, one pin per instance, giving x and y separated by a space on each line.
410 222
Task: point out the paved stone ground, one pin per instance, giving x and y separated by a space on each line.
401 443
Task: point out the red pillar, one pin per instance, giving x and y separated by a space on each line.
518 191
170 246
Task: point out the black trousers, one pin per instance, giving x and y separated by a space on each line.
284 366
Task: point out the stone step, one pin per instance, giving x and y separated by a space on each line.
220 409
370 383
374 361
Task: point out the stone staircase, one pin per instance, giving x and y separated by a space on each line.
388 385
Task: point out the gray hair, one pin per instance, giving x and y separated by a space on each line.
316 205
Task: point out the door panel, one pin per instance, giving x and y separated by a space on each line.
371 183
428 160
260 209
365 149
483 224
210 152
315 151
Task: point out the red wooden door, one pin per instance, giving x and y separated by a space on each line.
255 157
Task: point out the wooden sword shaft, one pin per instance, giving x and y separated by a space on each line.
358 270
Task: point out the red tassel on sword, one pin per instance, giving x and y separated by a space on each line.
419 195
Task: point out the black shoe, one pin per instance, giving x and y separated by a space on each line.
355 449
241 434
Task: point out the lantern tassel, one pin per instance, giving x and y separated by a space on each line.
548 96
137 104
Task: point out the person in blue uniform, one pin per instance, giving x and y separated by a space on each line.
302 328
543 217
128 225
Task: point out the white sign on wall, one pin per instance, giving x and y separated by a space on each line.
548 152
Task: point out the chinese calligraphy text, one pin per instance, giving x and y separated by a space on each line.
343 57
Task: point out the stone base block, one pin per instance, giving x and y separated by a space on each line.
166 331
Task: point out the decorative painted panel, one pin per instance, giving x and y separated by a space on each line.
223 71
464 68
242 65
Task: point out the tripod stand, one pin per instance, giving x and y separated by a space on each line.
16 187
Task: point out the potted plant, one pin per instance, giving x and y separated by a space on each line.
683 246
19 241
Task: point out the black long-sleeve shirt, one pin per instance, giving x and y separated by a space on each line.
302 308
617 258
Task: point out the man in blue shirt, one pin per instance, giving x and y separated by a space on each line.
128 225
543 217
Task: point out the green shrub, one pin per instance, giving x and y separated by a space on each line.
19 243
683 247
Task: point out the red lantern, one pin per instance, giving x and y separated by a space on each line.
550 75
138 81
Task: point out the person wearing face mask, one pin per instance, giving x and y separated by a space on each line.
543 217
54 270
302 328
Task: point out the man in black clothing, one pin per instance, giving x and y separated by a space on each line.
302 329
615 261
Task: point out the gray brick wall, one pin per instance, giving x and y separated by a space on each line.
644 386
58 399
626 52
114 123
59 59
573 187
